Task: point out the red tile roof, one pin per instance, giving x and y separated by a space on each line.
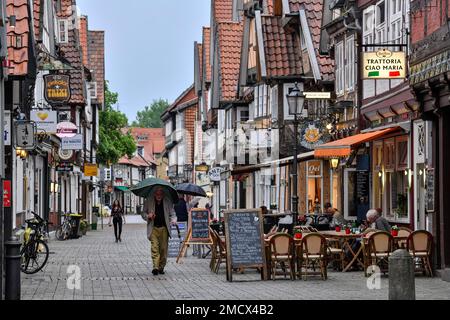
72 52
230 43
281 49
84 39
207 53
313 10
37 18
18 37
96 53
153 141
222 10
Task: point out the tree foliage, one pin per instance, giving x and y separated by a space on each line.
150 117
114 143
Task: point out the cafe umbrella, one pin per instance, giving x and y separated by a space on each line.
191 189
147 187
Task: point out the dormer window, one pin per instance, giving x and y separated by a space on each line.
140 150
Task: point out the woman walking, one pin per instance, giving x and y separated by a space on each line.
117 218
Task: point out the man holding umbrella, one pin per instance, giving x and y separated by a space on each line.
159 214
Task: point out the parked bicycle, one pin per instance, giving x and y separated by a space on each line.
34 251
64 230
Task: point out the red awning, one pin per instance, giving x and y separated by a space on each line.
343 148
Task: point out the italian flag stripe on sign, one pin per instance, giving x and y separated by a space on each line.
374 73
394 74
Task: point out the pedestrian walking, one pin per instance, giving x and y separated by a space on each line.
181 209
118 219
160 214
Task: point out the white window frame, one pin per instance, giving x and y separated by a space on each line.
350 63
92 86
340 68
380 28
65 30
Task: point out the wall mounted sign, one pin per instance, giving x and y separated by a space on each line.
384 64
64 167
90 170
65 154
317 95
315 168
25 135
7 128
312 135
214 174
57 88
46 120
66 130
6 194
430 191
74 143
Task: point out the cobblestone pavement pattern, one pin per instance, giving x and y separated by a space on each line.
122 271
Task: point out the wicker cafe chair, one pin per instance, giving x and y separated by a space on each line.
419 245
380 247
282 254
313 252
403 232
221 254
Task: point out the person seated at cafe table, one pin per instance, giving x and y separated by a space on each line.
376 221
334 216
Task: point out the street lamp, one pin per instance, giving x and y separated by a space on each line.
296 103
334 163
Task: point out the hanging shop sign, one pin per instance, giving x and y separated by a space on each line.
64 167
384 64
25 134
90 170
65 154
57 88
66 130
7 128
317 95
46 120
74 143
214 174
7 194
313 134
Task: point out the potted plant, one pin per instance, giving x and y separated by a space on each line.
83 227
338 228
394 231
348 229
273 206
298 234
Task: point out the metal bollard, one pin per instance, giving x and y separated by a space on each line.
401 276
12 269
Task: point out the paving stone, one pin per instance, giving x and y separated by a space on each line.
123 272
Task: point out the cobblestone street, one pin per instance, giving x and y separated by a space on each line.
123 271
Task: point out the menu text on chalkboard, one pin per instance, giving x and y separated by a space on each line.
199 224
245 239
430 191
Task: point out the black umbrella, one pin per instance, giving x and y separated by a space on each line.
191 189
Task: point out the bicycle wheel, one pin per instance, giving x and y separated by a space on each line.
34 256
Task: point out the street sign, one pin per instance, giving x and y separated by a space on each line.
74 143
384 64
6 194
66 130
90 170
317 95
25 132
7 128
64 167
214 174
57 88
46 120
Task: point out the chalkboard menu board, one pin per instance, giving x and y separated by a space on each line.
430 190
199 225
245 239
177 238
362 186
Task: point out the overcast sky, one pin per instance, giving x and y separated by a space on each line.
149 46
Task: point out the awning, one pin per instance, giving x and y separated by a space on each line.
123 189
343 147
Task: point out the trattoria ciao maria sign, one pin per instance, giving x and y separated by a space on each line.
384 64
57 88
